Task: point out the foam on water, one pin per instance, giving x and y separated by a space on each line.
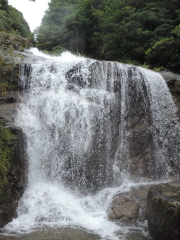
53 206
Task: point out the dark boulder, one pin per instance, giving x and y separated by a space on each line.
163 211
124 208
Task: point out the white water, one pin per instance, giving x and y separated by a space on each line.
165 129
61 125
46 202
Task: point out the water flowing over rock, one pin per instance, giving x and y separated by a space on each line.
92 125
116 123
144 134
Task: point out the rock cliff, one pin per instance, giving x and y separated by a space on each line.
12 142
173 83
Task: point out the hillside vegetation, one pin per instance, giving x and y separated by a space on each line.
136 31
11 20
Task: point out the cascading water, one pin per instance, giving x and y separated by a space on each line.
89 124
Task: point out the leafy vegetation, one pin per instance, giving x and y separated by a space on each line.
138 31
12 20
13 30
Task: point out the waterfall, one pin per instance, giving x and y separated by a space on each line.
92 128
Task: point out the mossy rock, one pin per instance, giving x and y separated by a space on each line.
13 42
12 171
10 61
163 211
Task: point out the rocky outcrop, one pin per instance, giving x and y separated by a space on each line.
124 208
13 188
10 64
171 78
13 63
163 211
173 83
128 207
13 177
136 236
12 142
10 41
12 180
60 233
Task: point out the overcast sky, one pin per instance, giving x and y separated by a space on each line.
32 11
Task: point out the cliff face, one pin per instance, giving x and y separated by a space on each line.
140 122
12 178
173 83
163 211
12 174
12 143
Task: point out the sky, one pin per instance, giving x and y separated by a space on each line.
32 11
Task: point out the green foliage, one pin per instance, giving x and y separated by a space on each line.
12 20
121 30
165 53
6 138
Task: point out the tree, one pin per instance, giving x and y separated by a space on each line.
120 30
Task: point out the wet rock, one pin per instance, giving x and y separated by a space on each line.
8 99
2 100
65 233
8 111
25 71
163 211
137 145
80 75
105 120
11 100
140 195
90 73
129 206
13 179
139 123
73 88
171 78
173 82
76 80
11 60
124 208
136 236
117 86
